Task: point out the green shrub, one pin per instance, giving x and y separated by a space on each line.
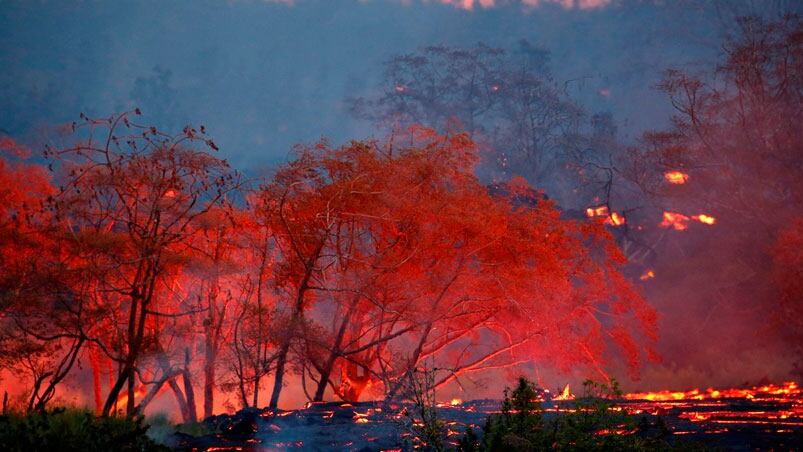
73 430
594 424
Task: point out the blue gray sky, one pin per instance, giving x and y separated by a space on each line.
263 75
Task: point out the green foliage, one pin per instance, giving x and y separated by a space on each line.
594 424
73 430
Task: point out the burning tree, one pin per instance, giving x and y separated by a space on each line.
346 269
129 195
42 298
414 259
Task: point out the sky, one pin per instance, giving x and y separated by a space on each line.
264 75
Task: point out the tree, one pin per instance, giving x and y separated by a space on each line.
412 258
131 194
736 142
42 314
507 101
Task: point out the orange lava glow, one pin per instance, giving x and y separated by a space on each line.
790 389
648 274
676 177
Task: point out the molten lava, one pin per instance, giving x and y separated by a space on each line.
790 389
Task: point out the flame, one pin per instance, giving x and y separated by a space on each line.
613 219
703 218
676 177
139 392
601 211
649 274
565 394
678 221
455 402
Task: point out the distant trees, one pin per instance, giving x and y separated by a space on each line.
736 136
509 103
345 270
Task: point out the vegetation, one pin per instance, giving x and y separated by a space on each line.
73 430
147 257
590 423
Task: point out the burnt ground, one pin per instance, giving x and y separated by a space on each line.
729 424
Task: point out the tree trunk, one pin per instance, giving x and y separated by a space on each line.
326 371
95 363
281 358
189 392
209 381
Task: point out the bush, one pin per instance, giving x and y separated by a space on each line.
73 430
593 425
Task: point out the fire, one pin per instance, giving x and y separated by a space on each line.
601 211
455 402
676 177
565 394
680 222
703 218
613 218
649 274
122 400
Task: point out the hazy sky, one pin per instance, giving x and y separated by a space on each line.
263 75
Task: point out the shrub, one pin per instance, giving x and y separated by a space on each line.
73 430
594 424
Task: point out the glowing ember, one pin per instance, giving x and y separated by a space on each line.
649 274
455 402
676 177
